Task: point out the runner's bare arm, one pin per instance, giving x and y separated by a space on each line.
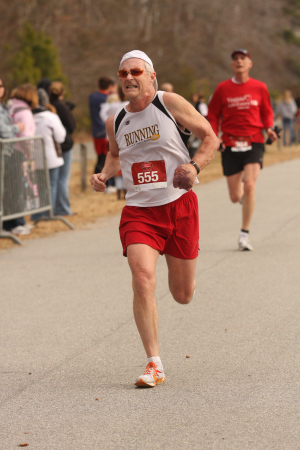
187 116
112 163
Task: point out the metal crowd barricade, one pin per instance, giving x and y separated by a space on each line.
24 182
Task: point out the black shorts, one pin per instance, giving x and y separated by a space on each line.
234 162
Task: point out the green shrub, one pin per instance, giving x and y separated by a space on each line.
35 58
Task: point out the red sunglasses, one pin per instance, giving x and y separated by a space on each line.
134 72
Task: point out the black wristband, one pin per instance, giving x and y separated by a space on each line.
196 167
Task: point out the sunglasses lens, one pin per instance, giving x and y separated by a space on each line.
136 72
122 73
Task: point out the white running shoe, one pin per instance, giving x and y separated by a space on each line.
22 230
244 244
151 377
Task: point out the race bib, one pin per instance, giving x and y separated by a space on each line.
149 175
240 144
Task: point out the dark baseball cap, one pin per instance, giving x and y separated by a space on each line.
241 50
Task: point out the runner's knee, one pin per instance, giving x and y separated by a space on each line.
249 187
183 296
235 197
143 283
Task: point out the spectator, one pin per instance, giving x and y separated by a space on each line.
8 129
106 86
167 87
286 109
24 98
114 103
200 105
62 204
297 118
45 84
194 99
297 99
197 100
49 125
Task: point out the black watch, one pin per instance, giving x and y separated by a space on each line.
196 167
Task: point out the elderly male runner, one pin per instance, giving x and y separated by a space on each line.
242 106
148 138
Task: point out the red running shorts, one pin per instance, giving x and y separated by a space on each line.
101 146
172 229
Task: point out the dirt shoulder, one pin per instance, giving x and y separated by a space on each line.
88 206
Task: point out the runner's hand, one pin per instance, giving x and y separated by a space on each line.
98 182
222 146
184 177
272 134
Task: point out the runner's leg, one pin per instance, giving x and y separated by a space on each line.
235 187
251 172
181 278
142 262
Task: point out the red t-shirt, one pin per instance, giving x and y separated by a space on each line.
242 109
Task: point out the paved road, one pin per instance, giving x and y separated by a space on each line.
70 350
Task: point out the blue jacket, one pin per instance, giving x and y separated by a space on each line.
96 99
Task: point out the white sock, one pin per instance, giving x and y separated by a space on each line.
157 361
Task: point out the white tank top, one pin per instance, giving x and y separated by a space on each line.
151 147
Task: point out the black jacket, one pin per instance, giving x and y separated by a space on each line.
68 122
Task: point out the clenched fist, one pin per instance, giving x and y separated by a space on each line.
183 179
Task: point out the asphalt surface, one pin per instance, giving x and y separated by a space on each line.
70 351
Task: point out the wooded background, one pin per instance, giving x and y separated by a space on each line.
189 41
